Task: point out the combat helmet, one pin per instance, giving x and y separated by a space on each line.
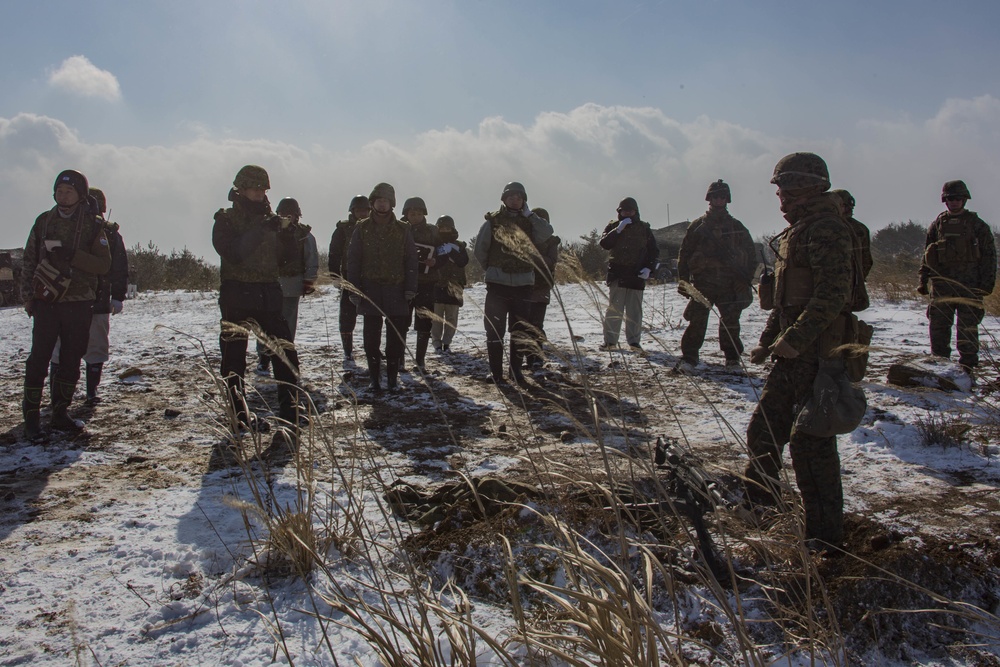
414 203
846 197
383 190
719 189
541 213
253 177
445 222
358 200
801 170
511 187
955 189
74 179
289 207
102 201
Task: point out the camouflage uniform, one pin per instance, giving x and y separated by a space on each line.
632 250
426 238
812 296
84 256
960 262
337 259
382 264
505 246
246 238
718 257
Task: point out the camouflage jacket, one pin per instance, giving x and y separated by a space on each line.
717 250
813 276
246 238
427 239
91 255
959 252
382 253
337 260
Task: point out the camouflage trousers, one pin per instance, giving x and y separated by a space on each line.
942 313
815 460
729 328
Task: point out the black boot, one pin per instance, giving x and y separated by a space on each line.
53 369
347 340
93 372
391 372
515 366
423 338
374 371
61 421
31 407
494 349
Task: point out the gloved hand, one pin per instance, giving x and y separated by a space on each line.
922 289
447 248
409 296
274 223
759 354
680 290
623 223
644 274
116 306
526 212
308 287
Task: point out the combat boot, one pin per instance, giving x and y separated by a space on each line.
374 373
347 340
93 373
53 369
31 407
494 350
515 368
391 374
423 338
61 421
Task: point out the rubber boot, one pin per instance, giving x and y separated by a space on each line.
53 369
515 366
391 373
347 340
93 372
61 421
374 371
31 407
494 349
423 338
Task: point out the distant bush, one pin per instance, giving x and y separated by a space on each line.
150 269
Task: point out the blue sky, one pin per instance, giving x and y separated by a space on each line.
585 102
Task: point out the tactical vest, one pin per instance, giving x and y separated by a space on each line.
383 251
261 264
631 246
956 246
511 248
716 253
426 236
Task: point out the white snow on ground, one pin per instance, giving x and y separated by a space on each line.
121 550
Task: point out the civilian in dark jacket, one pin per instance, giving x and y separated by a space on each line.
633 257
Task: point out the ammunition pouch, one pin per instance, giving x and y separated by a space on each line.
765 291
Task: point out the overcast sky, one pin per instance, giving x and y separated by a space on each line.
161 102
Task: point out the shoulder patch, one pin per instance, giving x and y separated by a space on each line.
104 241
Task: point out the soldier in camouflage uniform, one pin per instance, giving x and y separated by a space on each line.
860 229
813 298
109 299
453 257
958 272
538 302
70 239
246 237
505 247
358 210
382 264
298 267
633 254
718 257
427 240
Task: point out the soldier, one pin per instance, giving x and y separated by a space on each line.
65 254
427 241
718 258
382 264
860 229
358 210
633 257
812 300
109 300
246 236
958 272
298 266
505 247
538 302
453 256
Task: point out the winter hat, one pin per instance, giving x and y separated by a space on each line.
75 179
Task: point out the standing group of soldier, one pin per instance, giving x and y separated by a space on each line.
401 272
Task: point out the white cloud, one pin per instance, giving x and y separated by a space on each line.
79 76
578 165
